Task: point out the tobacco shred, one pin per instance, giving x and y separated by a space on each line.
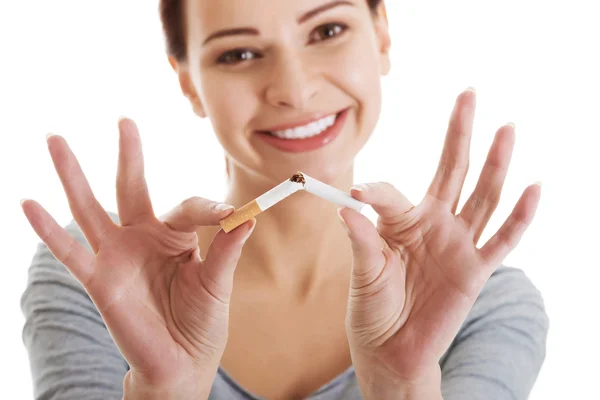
299 178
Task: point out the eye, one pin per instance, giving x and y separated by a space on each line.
327 31
236 56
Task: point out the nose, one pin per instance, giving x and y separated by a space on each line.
291 84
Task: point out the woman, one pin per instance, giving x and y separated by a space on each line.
407 309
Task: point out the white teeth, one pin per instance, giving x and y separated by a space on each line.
312 129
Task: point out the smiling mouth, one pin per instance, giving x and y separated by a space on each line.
312 136
309 130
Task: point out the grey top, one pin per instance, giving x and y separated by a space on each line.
497 354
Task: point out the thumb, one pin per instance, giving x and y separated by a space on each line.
222 258
367 247
195 212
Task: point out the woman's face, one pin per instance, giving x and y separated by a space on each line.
263 68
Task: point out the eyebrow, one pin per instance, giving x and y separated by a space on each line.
254 32
312 13
231 32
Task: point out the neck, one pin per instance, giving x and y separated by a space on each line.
298 245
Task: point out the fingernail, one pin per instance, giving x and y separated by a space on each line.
538 183
470 89
197 255
250 231
361 187
23 201
223 207
339 210
49 135
511 124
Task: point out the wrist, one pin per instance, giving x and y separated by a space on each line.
379 384
195 386
385 391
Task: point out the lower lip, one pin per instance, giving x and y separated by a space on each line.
307 144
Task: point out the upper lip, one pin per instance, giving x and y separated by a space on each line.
300 122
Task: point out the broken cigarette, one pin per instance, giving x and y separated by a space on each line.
260 204
330 193
298 181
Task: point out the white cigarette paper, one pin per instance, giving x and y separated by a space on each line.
331 194
278 193
299 181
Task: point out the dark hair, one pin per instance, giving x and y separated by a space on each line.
171 16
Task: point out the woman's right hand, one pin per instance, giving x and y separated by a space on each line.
166 308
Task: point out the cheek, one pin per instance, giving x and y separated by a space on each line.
355 69
230 103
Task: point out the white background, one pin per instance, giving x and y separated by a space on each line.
72 67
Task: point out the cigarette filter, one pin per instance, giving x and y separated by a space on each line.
260 204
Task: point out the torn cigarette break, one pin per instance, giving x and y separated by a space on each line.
299 178
297 182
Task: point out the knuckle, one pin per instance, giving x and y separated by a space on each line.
493 198
187 202
67 257
476 202
196 203
384 186
450 164
388 185
133 186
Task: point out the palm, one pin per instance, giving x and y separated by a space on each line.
144 282
165 308
442 274
409 299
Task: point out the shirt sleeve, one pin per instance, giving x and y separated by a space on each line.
71 354
501 346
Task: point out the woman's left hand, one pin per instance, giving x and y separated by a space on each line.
416 276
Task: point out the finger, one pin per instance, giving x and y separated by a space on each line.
454 162
133 200
195 212
93 220
510 233
367 248
222 258
385 199
479 208
76 258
